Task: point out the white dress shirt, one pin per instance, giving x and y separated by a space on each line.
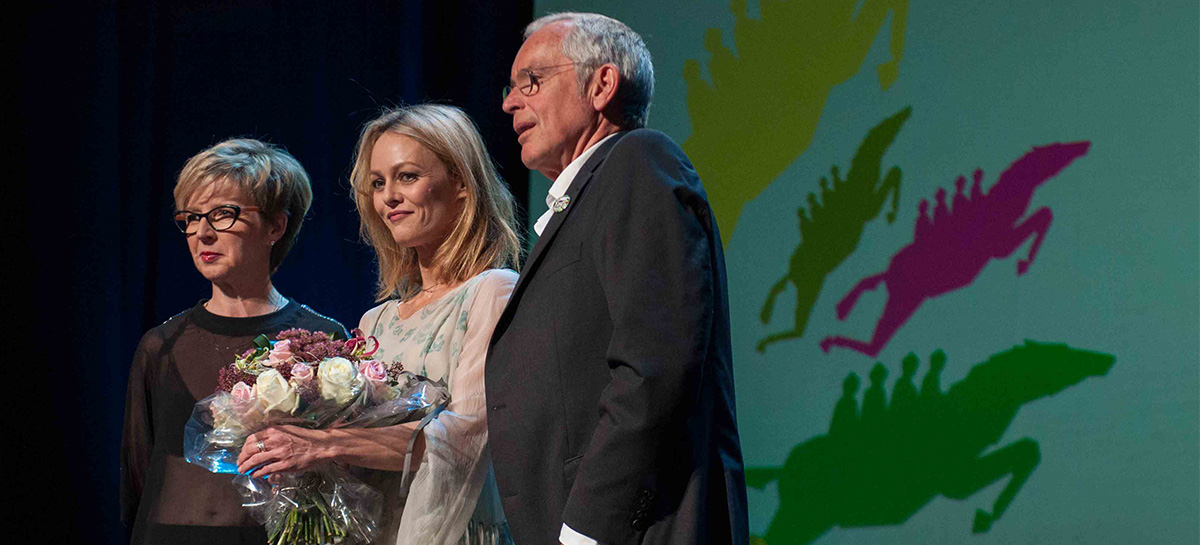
559 188
567 536
561 183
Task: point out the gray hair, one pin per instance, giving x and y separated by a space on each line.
594 40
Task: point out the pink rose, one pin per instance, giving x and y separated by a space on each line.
242 393
302 373
281 352
373 370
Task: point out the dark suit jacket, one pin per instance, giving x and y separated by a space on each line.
609 376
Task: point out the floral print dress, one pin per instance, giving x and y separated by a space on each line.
452 497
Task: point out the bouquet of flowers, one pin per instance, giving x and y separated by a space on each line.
313 380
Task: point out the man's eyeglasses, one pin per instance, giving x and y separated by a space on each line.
529 79
220 218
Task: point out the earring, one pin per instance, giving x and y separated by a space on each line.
272 243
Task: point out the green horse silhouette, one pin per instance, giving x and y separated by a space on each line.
879 466
831 229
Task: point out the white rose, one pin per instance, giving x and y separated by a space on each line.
275 393
339 380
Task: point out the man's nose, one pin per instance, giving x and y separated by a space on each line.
511 102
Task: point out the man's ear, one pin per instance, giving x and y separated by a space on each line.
603 91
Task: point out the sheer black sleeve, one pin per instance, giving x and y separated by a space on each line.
137 438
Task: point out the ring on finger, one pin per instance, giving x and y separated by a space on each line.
261 446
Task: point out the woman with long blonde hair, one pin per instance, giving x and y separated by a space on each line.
442 225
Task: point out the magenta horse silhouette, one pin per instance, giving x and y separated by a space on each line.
949 251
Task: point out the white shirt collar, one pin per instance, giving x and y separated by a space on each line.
563 181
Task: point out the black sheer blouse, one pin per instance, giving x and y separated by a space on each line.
163 498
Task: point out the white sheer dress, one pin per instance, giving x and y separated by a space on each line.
452 498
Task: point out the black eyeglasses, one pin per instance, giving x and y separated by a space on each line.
528 80
220 218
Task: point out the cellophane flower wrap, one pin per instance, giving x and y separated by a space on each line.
313 380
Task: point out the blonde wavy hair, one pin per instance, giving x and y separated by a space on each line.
483 237
273 180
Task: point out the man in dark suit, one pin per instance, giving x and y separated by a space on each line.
609 376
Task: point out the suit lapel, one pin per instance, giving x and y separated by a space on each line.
556 220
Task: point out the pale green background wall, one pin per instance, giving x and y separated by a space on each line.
1118 272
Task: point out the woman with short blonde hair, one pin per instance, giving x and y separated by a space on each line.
238 205
269 177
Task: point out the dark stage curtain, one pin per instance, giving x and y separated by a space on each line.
112 99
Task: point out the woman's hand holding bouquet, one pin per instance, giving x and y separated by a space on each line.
291 387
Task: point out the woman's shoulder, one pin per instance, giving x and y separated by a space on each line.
312 320
492 288
495 281
156 337
156 341
372 314
498 275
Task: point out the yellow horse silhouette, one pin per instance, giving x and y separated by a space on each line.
761 110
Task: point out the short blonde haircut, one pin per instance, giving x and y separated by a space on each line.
272 179
483 237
